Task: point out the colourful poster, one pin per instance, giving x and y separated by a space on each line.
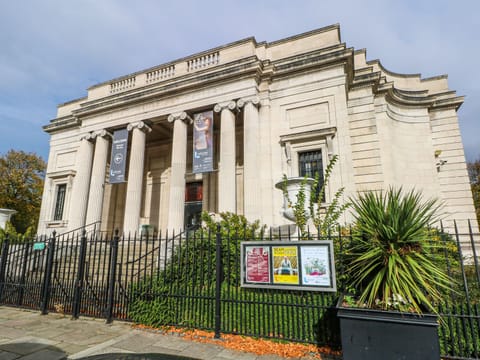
257 264
203 142
285 265
315 266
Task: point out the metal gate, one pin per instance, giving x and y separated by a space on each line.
68 274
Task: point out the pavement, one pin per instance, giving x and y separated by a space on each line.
26 334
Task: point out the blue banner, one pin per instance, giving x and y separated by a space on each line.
203 142
119 156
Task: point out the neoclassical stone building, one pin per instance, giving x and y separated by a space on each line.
262 110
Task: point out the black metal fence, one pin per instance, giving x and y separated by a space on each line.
193 280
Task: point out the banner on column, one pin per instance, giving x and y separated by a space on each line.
203 142
119 156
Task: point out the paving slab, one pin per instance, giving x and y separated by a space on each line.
27 335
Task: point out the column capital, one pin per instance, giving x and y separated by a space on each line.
254 100
183 116
101 133
141 125
230 105
88 137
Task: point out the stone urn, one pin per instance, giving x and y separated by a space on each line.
5 215
291 187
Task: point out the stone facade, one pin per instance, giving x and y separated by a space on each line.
272 102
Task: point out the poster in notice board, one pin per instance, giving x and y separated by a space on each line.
289 265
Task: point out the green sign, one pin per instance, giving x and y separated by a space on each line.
39 246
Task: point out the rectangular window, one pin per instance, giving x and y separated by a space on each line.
59 202
310 164
194 191
193 205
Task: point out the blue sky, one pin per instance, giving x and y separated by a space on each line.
53 50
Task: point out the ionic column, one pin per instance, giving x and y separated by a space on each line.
97 182
267 187
227 189
133 200
79 197
176 204
251 154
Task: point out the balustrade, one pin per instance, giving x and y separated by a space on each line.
203 61
160 74
123 84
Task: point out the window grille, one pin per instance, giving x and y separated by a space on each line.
310 164
60 202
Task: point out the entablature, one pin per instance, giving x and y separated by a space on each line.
62 123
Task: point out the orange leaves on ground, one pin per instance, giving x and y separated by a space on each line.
252 345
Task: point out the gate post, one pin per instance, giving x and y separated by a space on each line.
48 275
111 280
77 297
218 283
3 264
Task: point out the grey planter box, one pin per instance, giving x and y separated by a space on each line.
375 334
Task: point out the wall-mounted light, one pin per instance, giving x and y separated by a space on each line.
440 162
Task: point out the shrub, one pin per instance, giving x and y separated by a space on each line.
392 260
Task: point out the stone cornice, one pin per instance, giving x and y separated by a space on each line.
306 135
450 103
62 123
313 60
246 67
421 98
366 80
61 174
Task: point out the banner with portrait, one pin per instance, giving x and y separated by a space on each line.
203 142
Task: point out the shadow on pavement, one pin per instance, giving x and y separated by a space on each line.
121 356
42 351
31 350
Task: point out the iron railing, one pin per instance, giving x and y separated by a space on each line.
193 280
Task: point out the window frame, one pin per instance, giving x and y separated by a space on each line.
57 216
55 179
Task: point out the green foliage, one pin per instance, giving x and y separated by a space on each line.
392 260
327 220
298 207
459 333
21 187
183 292
193 264
14 236
324 218
474 173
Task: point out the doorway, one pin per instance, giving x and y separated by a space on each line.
193 205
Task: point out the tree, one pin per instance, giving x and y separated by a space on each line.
474 174
21 186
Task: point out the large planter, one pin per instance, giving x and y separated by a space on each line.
293 186
375 334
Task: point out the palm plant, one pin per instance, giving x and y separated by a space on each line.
392 264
